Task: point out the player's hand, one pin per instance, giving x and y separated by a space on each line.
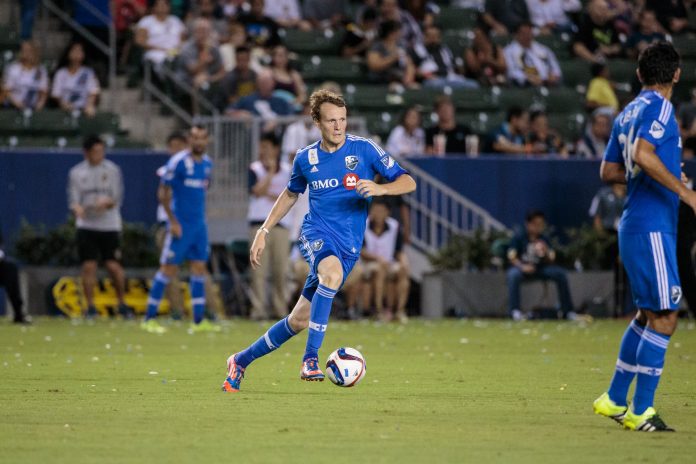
175 228
367 188
257 249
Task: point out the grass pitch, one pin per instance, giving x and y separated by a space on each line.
450 391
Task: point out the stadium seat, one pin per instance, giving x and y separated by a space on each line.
560 45
474 100
623 71
457 40
326 42
11 122
53 122
101 123
9 38
575 72
457 18
379 122
524 97
483 123
371 97
570 126
323 68
562 100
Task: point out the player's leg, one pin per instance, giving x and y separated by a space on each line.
514 281
173 289
197 286
172 255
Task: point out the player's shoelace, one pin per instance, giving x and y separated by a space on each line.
655 424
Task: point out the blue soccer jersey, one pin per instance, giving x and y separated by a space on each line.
650 206
189 181
335 207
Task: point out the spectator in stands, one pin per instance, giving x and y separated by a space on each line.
435 64
530 63
541 138
9 280
28 13
95 193
360 35
446 136
299 134
648 31
408 138
262 30
504 16
510 137
211 11
199 62
262 103
387 61
484 61
424 12
549 16
25 82
411 34
594 140
600 91
325 14
236 37
286 13
241 81
75 87
268 177
288 82
126 14
596 39
182 8
232 8
671 14
160 34
386 267
532 258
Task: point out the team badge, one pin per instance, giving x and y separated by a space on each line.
350 181
317 244
388 161
313 156
656 130
675 294
351 162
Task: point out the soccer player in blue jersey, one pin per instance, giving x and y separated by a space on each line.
644 151
337 170
182 195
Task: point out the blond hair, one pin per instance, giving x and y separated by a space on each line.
320 97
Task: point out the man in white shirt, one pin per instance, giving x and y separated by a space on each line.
530 63
549 16
160 33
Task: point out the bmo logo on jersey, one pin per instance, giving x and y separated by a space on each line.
323 184
350 180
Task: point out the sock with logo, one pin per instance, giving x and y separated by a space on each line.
318 320
197 297
650 361
626 363
156 291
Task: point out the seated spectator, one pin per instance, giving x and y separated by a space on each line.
549 16
597 131
648 31
532 258
160 34
510 137
241 81
25 81
232 8
596 39
360 35
75 87
484 61
386 267
262 103
671 14
408 138
325 14
411 34
212 12
530 63
424 12
622 15
600 90
387 61
126 14
288 82
435 64
236 37
286 13
262 30
199 63
446 136
542 139
503 16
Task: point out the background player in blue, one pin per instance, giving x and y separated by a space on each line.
337 170
644 151
182 195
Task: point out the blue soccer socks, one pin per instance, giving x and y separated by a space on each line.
318 319
650 360
156 291
626 363
197 297
280 333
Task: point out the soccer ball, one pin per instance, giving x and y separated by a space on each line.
345 367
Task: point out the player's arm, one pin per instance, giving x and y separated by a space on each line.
164 195
613 173
402 184
281 207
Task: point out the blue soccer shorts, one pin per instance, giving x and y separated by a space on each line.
316 246
191 246
650 260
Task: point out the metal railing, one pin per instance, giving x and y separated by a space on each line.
438 212
109 49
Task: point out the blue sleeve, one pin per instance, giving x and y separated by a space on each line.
297 182
381 162
653 124
612 153
172 171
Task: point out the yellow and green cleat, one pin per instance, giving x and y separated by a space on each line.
152 326
649 421
604 406
204 326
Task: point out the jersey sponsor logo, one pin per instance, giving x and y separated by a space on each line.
196 183
324 184
350 181
387 161
351 162
656 130
675 294
313 156
317 244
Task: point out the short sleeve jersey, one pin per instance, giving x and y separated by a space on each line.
650 207
335 207
189 181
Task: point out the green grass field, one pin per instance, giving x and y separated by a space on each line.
450 391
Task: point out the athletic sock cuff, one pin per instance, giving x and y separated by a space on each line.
326 292
656 338
162 278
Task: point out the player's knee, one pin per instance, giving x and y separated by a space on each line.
331 279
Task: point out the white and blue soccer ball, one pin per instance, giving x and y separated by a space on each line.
345 367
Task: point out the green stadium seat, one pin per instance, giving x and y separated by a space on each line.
457 18
575 72
569 125
371 98
326 42
563 100
474 100
9 38
100 123
11 122
323 68
483 123
457 41
379 122
558 45
524 97
53 122
623 71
